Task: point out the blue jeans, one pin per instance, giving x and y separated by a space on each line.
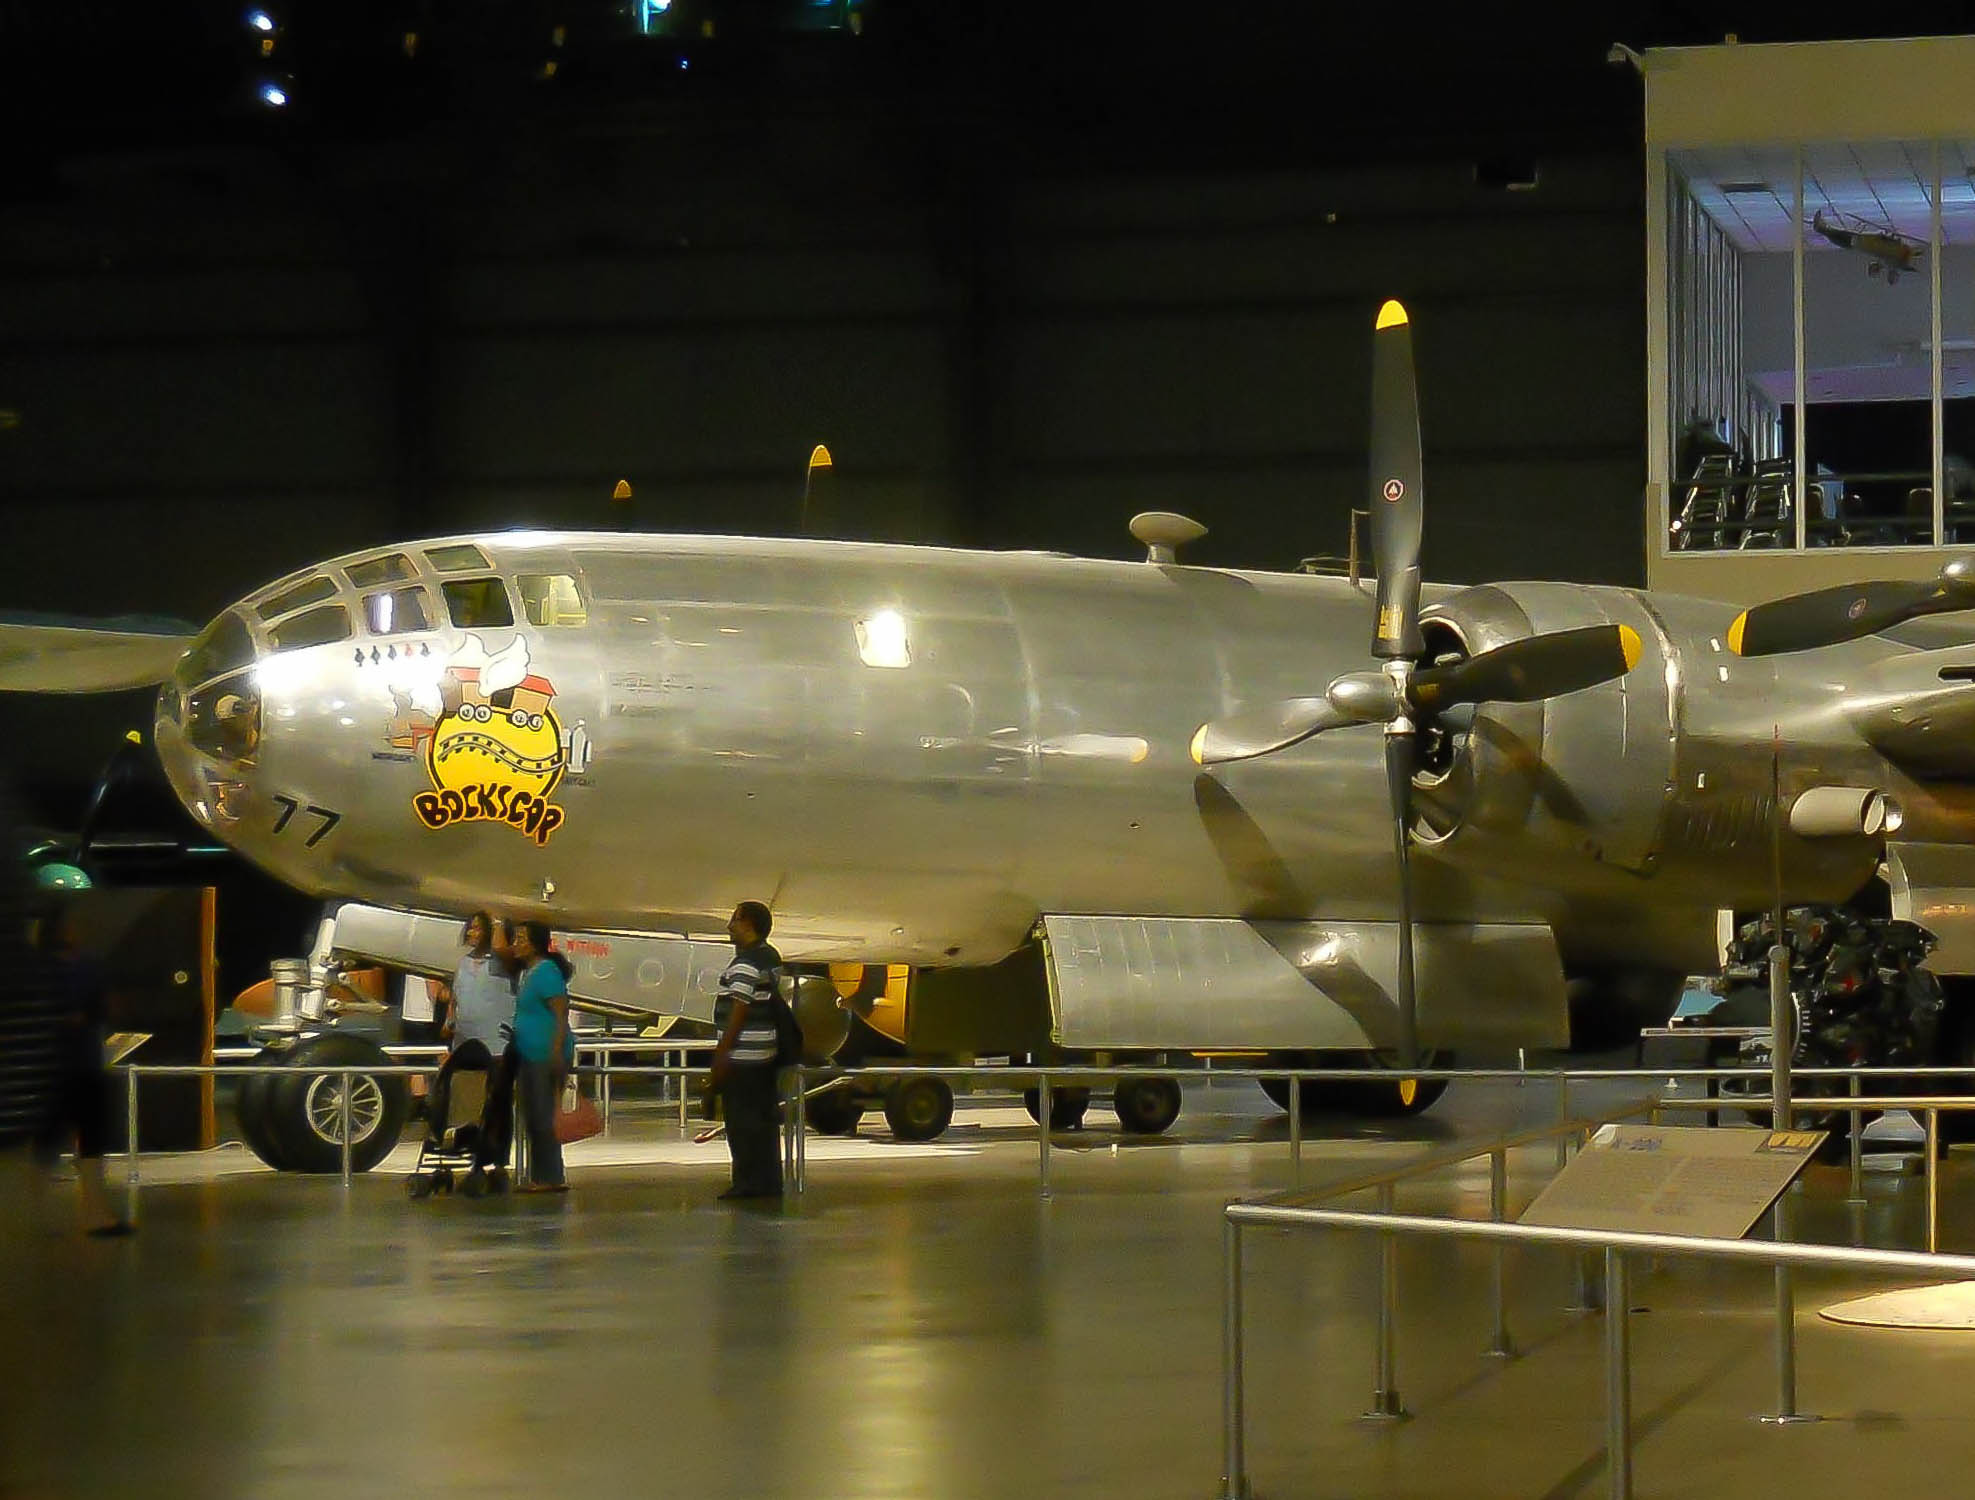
539 1086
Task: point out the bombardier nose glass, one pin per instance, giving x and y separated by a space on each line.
219 703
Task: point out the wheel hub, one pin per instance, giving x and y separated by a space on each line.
324 1104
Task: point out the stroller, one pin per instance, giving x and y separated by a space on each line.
449 1152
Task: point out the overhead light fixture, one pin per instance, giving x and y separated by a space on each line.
1750 189
260 20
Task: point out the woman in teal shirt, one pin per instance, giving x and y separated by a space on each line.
545 1049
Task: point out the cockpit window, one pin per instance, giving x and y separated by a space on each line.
316 628
393 567
308 591
550 599
223 646
396 612
476 603
462 557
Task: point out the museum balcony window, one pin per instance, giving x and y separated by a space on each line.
1820 368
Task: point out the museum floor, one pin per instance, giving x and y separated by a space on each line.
921 1325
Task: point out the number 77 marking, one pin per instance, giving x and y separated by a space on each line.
290 806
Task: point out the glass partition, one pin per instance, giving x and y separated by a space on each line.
1816 383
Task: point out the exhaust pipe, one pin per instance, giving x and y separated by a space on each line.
1845 812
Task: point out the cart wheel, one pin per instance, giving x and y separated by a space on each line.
442 1180
417 1186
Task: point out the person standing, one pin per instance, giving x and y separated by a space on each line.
744 1060
82 1090
479 1000
544 1049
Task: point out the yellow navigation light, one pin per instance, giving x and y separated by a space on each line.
1392 315
1735 632
1629 643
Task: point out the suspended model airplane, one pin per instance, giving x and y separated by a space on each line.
1884 247
1092 807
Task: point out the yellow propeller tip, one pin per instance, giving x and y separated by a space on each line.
1198 749
1630 644
819 457
1392 315
1736 630
132 737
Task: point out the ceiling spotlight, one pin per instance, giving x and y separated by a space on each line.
274 95
260 20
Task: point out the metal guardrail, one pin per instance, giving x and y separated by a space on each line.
1782 1255
1618 1348
813 1081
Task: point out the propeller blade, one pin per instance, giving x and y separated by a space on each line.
1825 617
1395 486
1399 750
1541 666
1260 731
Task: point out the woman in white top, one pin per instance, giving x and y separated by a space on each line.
479 1002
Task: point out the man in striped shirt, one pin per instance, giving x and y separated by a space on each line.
744 1062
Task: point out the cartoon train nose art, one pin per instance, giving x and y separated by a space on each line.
496 751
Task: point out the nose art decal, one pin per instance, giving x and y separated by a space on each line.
495 751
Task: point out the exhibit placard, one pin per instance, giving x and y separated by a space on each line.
1655 1179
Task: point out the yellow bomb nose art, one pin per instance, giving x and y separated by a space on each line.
495 753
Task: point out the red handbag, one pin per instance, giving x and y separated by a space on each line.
577 1117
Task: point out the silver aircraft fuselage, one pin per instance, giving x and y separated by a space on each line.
912 753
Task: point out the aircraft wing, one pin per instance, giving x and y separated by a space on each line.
57 654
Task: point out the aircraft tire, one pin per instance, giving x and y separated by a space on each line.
1400 1099
1318 1096
1067 1106
303 1115
834 1113
250 1108
1146 1106
919 1109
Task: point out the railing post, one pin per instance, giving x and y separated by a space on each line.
785 1119
603 1086
1234 1463
1563 1114
1857 1150
1786 1328
130 1123
1618 1376
1933 1180
1386 1405
343 1108
1295 1131
1042 1128
1500 1345
801 1130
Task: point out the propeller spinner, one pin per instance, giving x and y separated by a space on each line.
1400 695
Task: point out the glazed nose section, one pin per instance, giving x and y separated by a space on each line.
208 726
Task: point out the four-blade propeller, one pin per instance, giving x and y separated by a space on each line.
1401 695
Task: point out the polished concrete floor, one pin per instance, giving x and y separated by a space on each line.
919 1325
